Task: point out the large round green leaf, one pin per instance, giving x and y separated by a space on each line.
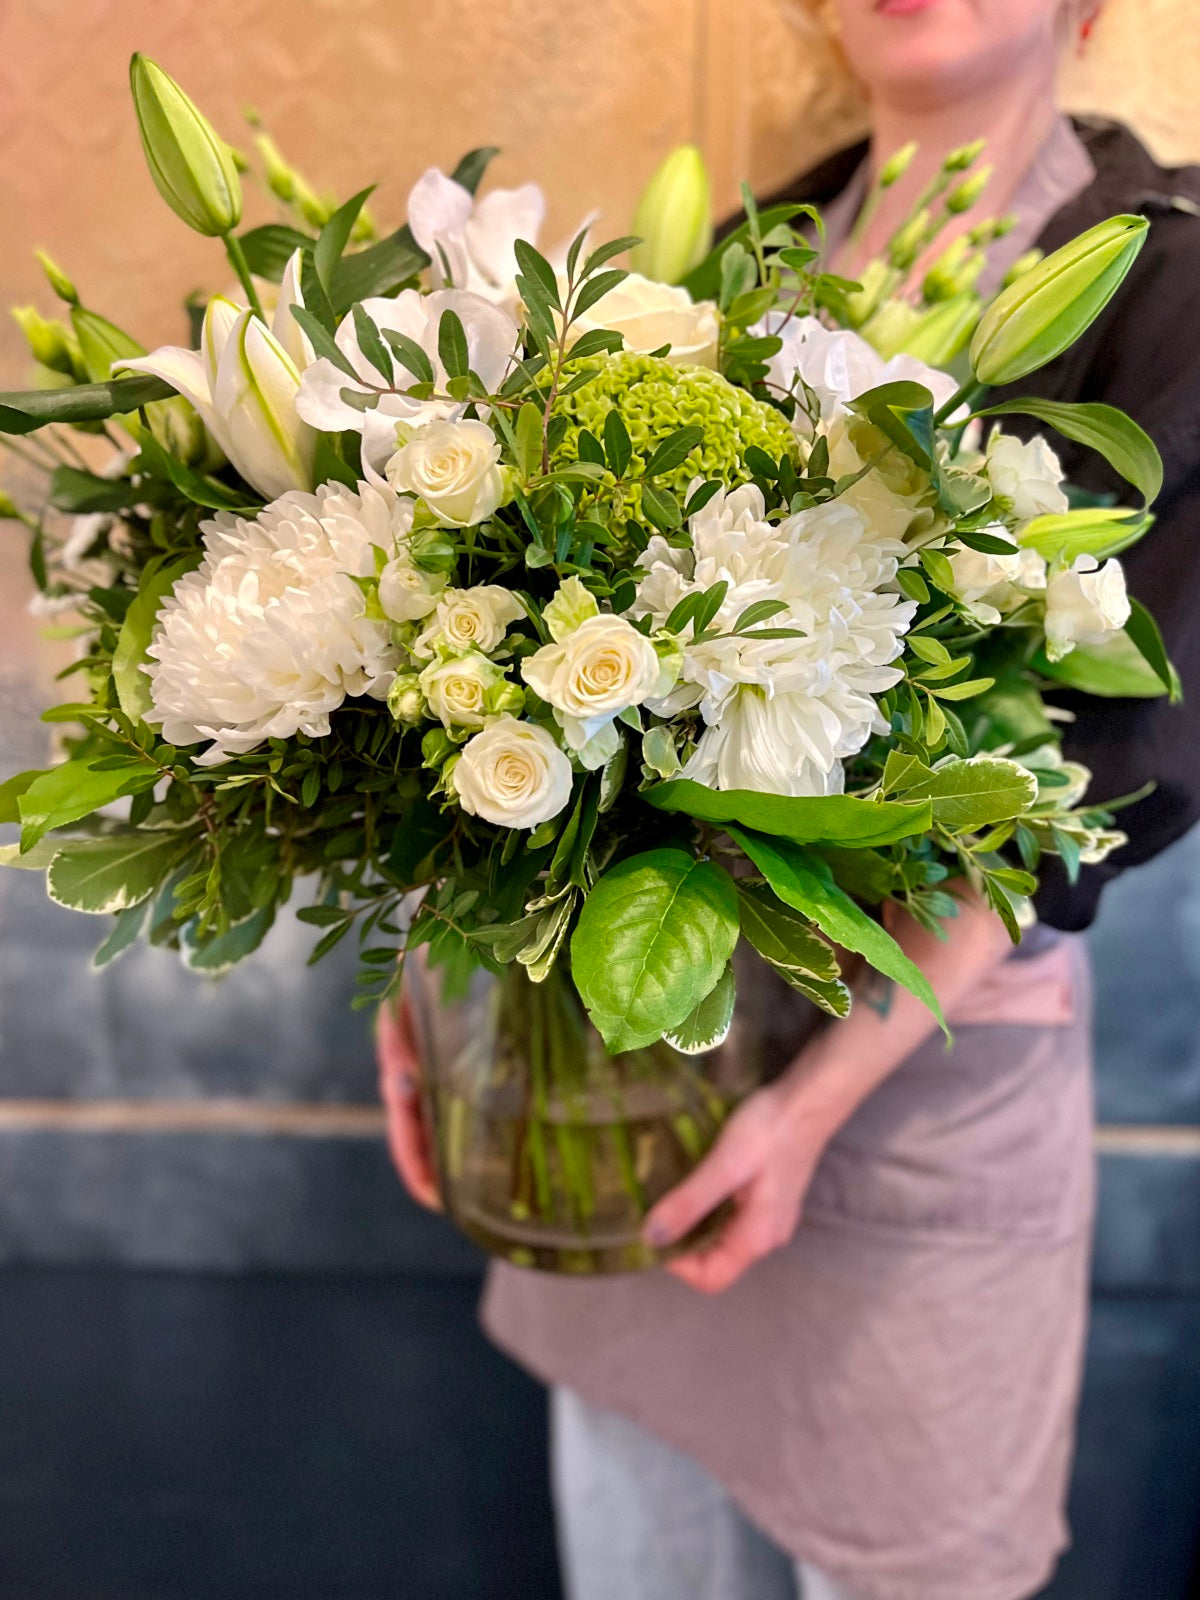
652 941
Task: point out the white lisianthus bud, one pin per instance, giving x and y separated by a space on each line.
454 467
1085 605
651 315
464 690
1026 476
468 619
982 577
405 700
513 774
572 605
406 594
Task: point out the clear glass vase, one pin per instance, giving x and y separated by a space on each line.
550 1152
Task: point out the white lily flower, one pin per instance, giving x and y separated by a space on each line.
491 340
474 239
243 382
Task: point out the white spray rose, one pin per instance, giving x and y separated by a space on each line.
406 594
1085 605
454 467
464 690
513 774
467 619
1027 476
601 669
651 315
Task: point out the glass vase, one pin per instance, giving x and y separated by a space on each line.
550 1152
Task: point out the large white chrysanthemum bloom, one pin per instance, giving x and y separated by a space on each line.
782 714
268 635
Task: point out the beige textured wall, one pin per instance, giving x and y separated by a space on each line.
583 95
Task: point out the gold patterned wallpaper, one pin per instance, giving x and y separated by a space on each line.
584 97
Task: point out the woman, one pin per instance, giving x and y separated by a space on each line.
878 1404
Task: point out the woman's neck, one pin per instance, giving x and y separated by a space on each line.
1013 118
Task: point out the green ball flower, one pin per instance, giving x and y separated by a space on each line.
655 398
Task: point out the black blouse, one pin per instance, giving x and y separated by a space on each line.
1142 355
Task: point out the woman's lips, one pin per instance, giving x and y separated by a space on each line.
903 8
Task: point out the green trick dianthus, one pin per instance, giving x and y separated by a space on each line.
654 398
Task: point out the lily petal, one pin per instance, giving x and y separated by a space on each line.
284 326
182 369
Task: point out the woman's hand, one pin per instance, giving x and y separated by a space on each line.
399 1080
763 1160
767 1152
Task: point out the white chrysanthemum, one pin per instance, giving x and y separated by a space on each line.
783 714
268 635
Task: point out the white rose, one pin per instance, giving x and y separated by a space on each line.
468 619
1085 605
1028 476
601 669
406 594
651 315
463 690
512 774
454 467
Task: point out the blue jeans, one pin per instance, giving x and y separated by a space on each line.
637 1520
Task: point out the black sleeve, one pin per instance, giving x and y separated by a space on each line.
1142 355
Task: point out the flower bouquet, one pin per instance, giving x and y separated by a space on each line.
584 644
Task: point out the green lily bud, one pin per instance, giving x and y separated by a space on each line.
1022 265
955 271
1045 310
944 330
862 303
966 194
888 328
897 165
674 218
965 156
191 165
57 278
281 180
906 243
48 340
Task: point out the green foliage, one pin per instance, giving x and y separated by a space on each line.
652 940
113 873
829 819
709 1023
804 882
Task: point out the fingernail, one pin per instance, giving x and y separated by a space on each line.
657 1233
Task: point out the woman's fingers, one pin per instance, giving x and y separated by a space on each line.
408 1137
765 1219
731 1162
